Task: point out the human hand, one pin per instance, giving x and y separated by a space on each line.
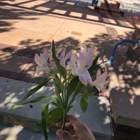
82 132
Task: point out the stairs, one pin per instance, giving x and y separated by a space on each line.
109 7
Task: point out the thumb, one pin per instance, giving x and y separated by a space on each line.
65 135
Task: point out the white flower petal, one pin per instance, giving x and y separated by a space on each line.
37 59
98 74
82 78
83 49
45 55
73 56
38 70
85 77
68 55
104 75
62 55
88 76
73 67
62 62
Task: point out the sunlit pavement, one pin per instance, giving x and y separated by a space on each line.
28 27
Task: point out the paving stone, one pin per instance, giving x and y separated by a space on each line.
12 75
55 21
5 73
12 62
97 117
106 20
112 32
8 48
22 77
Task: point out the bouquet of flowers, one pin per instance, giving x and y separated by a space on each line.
75 71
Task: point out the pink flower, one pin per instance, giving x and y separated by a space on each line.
88 54
63 57
42 62
79 68
60 54
100 83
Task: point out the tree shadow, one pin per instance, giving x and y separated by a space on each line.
70 43
123 75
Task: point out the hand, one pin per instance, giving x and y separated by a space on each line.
82 132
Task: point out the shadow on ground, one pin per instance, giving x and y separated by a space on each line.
123 73
65 9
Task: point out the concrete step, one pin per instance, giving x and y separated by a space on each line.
19 133
125 107
124 90
110 5
109 11
97 117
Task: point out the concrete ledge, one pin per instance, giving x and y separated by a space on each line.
19 133
125 108
97 117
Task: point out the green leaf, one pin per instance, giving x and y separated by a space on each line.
69 107
79 88
53 51
58 84
44 120
94 65
93 91
84 102
72 86
60 68
38 99
58 100
56 104
58 89
54 116
91 94
32 91
38 126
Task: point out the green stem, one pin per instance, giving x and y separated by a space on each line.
64 119
65 100
74 94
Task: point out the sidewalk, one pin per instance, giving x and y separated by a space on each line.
75 10
26 31
28 27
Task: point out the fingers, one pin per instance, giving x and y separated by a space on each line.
62 134
70 118
68 127
59 124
